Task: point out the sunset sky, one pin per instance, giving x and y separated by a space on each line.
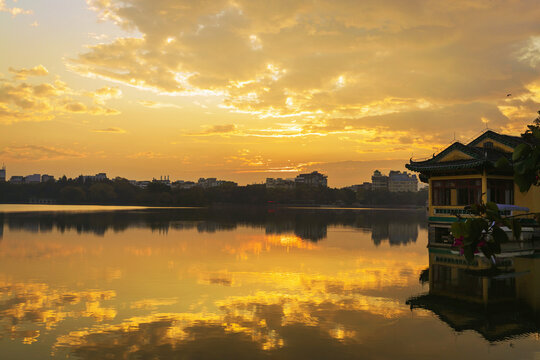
245 89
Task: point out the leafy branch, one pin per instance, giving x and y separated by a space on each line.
483 233
526 158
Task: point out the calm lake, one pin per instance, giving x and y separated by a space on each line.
113 283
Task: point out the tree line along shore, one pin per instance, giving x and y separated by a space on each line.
121 192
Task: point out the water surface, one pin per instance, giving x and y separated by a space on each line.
228 284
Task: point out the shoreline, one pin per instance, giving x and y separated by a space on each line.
21 207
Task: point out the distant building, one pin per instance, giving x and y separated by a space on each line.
364 186
402 182
32 179
45 178
313 179
3 173
208 182
97 177
213 182
181 184
379 181
279 183
142 184
163 180
16 179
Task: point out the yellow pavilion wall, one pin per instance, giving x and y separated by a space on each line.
530 199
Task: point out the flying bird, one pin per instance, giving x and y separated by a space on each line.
508 94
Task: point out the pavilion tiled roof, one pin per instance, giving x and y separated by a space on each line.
481 158
508 140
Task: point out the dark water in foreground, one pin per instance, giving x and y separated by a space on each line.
231 284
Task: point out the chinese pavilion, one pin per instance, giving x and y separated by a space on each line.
462 174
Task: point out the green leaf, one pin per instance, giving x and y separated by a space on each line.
492 248
499 235
525 166
468 251
487 250
502 163
477 226
459 229
492 211
536 132
520 151
516 229
476 209
523 182
490 205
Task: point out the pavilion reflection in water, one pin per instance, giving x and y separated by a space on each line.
498 304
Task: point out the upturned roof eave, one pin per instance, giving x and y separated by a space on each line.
433 167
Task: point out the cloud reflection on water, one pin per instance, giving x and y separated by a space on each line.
189 289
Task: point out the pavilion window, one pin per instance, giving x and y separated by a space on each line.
442 192
500 191
469 191
456 192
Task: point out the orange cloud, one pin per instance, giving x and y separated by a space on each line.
111 130
22 74
39 152
24 101
14 11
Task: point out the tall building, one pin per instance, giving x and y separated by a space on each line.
313 179
379 181
402 182
3 173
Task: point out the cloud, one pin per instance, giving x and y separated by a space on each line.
39 101
39 152
14 11
104 94
153 304
158 105
150 155
220 129
337 59
111 130
35 305
22 74
76 107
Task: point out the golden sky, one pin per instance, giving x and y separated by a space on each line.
246 89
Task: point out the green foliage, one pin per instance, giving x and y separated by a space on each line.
483 232
121 192
503 164
526 158
72 194
101 193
